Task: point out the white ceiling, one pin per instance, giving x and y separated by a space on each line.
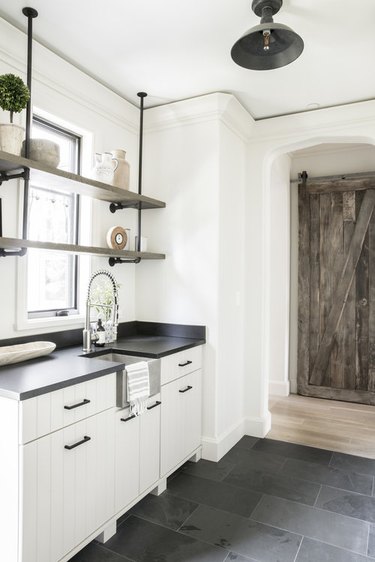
175 50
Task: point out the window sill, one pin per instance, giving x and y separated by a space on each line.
74 321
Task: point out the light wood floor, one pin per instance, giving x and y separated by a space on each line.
337 426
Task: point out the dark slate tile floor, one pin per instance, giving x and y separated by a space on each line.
265 501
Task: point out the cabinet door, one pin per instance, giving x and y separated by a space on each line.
149 456
192 412
181 420
172 425
66 493
127 459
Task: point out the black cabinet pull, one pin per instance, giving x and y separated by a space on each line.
84 440
184 364
83 403
157 403
128 418
185 389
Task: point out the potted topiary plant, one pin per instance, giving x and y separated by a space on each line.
14 95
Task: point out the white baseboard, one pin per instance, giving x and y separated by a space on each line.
279 388
214 449
258 427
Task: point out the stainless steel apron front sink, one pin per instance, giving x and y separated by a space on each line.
121 382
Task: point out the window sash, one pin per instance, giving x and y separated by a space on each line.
64 277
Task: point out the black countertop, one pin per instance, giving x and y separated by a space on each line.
68 366
152 346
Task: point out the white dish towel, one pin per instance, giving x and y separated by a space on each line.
138 386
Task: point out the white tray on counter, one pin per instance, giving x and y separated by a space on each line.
25 351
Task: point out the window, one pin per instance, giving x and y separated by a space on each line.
53 217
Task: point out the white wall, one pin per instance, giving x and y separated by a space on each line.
181 169
230 355
278 267
106 121
195 161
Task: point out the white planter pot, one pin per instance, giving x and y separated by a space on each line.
11 137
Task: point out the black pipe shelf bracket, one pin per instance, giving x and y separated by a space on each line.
114 261
6 176
113 207
119 206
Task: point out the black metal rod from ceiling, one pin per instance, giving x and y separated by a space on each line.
30 13
142 96
114 207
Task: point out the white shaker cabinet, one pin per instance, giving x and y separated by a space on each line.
67 486
137 452
149 455
127 459
181 420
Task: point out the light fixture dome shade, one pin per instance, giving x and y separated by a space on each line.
285 47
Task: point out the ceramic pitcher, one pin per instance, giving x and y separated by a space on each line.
105 167
121 173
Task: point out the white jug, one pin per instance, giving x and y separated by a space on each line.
121 175
105 167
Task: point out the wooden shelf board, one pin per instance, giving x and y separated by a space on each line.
53 178
17 243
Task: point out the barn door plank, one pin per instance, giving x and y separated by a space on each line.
314 277
303 288
371 303
346 331
351 182
343 288
334 248
362 315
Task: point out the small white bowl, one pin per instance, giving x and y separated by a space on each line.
43 150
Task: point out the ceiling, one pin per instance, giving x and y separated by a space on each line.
175 50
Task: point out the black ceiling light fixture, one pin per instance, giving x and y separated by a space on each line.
268 45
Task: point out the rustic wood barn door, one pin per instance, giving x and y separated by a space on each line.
336 286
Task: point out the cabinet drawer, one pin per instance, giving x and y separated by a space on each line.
180 364
52 411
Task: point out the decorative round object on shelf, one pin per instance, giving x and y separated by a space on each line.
117 238
43 150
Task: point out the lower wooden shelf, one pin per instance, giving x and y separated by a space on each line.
12 244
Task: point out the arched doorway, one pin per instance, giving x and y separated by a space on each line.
318 159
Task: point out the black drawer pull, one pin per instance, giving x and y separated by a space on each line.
84 440
184 364
185 389
157 403
131 417
83 403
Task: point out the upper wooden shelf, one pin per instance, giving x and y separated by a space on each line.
17 243
54 178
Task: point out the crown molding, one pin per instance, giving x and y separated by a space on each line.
221 107
350 120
